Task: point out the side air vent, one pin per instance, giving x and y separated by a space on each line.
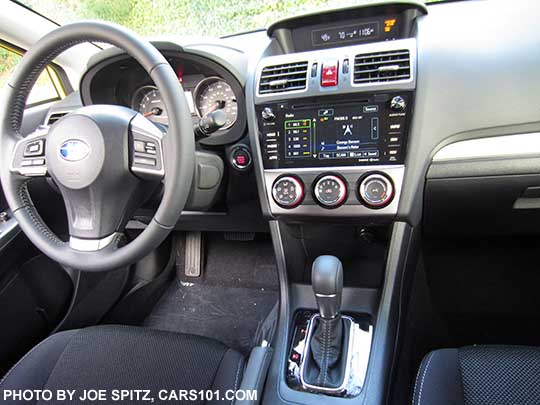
55 117
382 67
283 78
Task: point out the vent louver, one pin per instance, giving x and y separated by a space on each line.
283 78
382 67
55 117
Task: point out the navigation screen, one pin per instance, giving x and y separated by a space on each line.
368 132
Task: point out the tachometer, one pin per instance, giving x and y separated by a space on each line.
215 93
147 100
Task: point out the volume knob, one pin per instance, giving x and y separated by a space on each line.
267 114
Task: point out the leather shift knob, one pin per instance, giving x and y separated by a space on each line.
327 282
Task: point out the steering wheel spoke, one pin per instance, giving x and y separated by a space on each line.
29 154
146 149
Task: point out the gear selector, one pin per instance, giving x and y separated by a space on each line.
331 350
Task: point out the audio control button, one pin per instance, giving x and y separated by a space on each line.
288 191
376 191
330 191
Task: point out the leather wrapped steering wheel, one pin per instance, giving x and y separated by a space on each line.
105 159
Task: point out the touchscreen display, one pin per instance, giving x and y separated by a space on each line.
366 132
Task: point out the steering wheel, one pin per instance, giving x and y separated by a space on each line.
103 158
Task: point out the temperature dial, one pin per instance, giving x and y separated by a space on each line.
330 191
376 191
288 191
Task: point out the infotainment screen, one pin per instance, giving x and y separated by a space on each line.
335 134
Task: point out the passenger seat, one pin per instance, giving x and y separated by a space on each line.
479 375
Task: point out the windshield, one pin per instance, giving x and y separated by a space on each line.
180 17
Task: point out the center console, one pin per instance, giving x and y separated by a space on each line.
330 105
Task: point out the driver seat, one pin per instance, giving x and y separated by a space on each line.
124 357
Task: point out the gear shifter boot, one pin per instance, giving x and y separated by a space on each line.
326 360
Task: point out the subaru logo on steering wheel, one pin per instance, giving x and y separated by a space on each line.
74 150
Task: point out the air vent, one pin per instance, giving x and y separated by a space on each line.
283 78
55 117
382 67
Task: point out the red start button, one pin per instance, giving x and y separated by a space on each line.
329 74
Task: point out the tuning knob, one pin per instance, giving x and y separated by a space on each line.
376 191
288 191
398 104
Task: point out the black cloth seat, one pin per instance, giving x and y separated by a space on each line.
479 375
130 358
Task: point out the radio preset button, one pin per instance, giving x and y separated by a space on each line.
376 191
288 191
330 191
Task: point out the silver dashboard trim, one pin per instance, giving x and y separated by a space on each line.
8 230
313 87
492 147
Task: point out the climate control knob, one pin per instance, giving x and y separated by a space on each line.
330 191
376 191
288 191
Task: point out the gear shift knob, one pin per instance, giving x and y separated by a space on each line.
327 282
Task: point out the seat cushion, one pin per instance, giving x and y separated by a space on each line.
131 358
479 375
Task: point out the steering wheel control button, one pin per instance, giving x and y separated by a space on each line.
139 146
35 148
330 191
329 74
144 161
376 191
288 191
241 158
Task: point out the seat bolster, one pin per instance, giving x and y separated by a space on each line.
439 379
33 370
229 373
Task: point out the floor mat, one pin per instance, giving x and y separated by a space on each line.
237 291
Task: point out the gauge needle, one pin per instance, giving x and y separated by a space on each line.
217 104
153 111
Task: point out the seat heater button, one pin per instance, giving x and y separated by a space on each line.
144 161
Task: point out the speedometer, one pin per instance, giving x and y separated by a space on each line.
214 93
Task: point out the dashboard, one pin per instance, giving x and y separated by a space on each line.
324 101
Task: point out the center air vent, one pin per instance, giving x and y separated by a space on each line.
382 67
55 117
283 78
